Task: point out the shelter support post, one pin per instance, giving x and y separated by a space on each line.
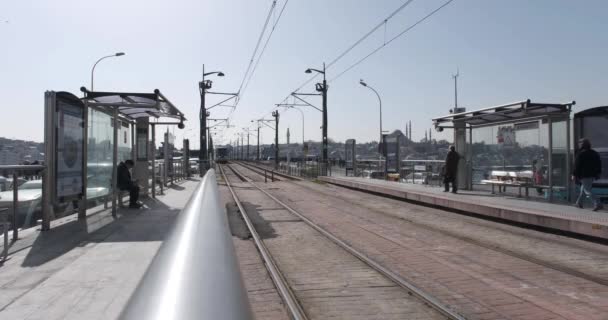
469 157
49 147
82 206
15 206
568 162
550 165
460 143
115 160
152 157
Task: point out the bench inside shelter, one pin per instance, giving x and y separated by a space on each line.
522 180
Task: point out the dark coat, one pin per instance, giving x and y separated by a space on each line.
451 163
124 177
588 164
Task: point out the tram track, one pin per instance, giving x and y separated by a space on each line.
295 308
468 239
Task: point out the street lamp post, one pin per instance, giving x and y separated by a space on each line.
117 54
382 140
203 86
363 83
322 87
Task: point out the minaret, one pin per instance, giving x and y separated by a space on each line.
287 148
410 128
405 133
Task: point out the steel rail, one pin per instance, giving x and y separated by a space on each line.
256 168
295 309
473 241
195 274
402 282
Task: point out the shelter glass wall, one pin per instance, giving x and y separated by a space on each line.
99 157
124 142
516 147
560 172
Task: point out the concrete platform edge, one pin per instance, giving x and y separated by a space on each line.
585 228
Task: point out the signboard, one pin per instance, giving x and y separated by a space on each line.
142 144
391 145
69 158
419 167
349 156
526 125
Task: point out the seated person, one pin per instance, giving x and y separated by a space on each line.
126 184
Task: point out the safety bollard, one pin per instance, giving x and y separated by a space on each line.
272 176
265 177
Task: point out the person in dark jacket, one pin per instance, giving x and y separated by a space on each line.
587 168
451 170
125 183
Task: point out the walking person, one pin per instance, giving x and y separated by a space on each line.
125 183
451 170
537 169
587 168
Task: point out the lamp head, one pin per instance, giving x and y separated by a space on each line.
118 54
308 71
362 83
220 74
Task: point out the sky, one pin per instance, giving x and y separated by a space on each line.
505 51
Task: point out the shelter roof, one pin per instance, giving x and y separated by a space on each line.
512 112
134 105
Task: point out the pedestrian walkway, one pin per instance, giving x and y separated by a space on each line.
549 215
86 269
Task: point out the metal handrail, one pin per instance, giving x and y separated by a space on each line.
15 170
195 274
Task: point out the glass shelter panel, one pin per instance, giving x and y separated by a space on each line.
99 158
559 157
516 151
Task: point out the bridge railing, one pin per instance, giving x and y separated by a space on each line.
195 274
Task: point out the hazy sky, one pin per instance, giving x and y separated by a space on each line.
545 50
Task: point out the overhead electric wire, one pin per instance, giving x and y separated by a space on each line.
248 77
257 46
345 52
369 33
391 40
359 41
264 48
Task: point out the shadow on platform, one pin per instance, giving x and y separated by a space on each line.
132 225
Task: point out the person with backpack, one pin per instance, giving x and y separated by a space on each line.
587 168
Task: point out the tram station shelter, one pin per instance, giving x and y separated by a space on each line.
85 139
525 138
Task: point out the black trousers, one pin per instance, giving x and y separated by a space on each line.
450 179
133 193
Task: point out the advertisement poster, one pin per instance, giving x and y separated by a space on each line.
506 136
70 135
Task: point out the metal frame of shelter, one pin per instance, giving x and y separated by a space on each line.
130 107
511 113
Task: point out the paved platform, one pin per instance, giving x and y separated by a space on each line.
86 269
536 213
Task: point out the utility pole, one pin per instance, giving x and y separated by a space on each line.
275 114
324 92
247 157
322 89
258 153
242 146
455 76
